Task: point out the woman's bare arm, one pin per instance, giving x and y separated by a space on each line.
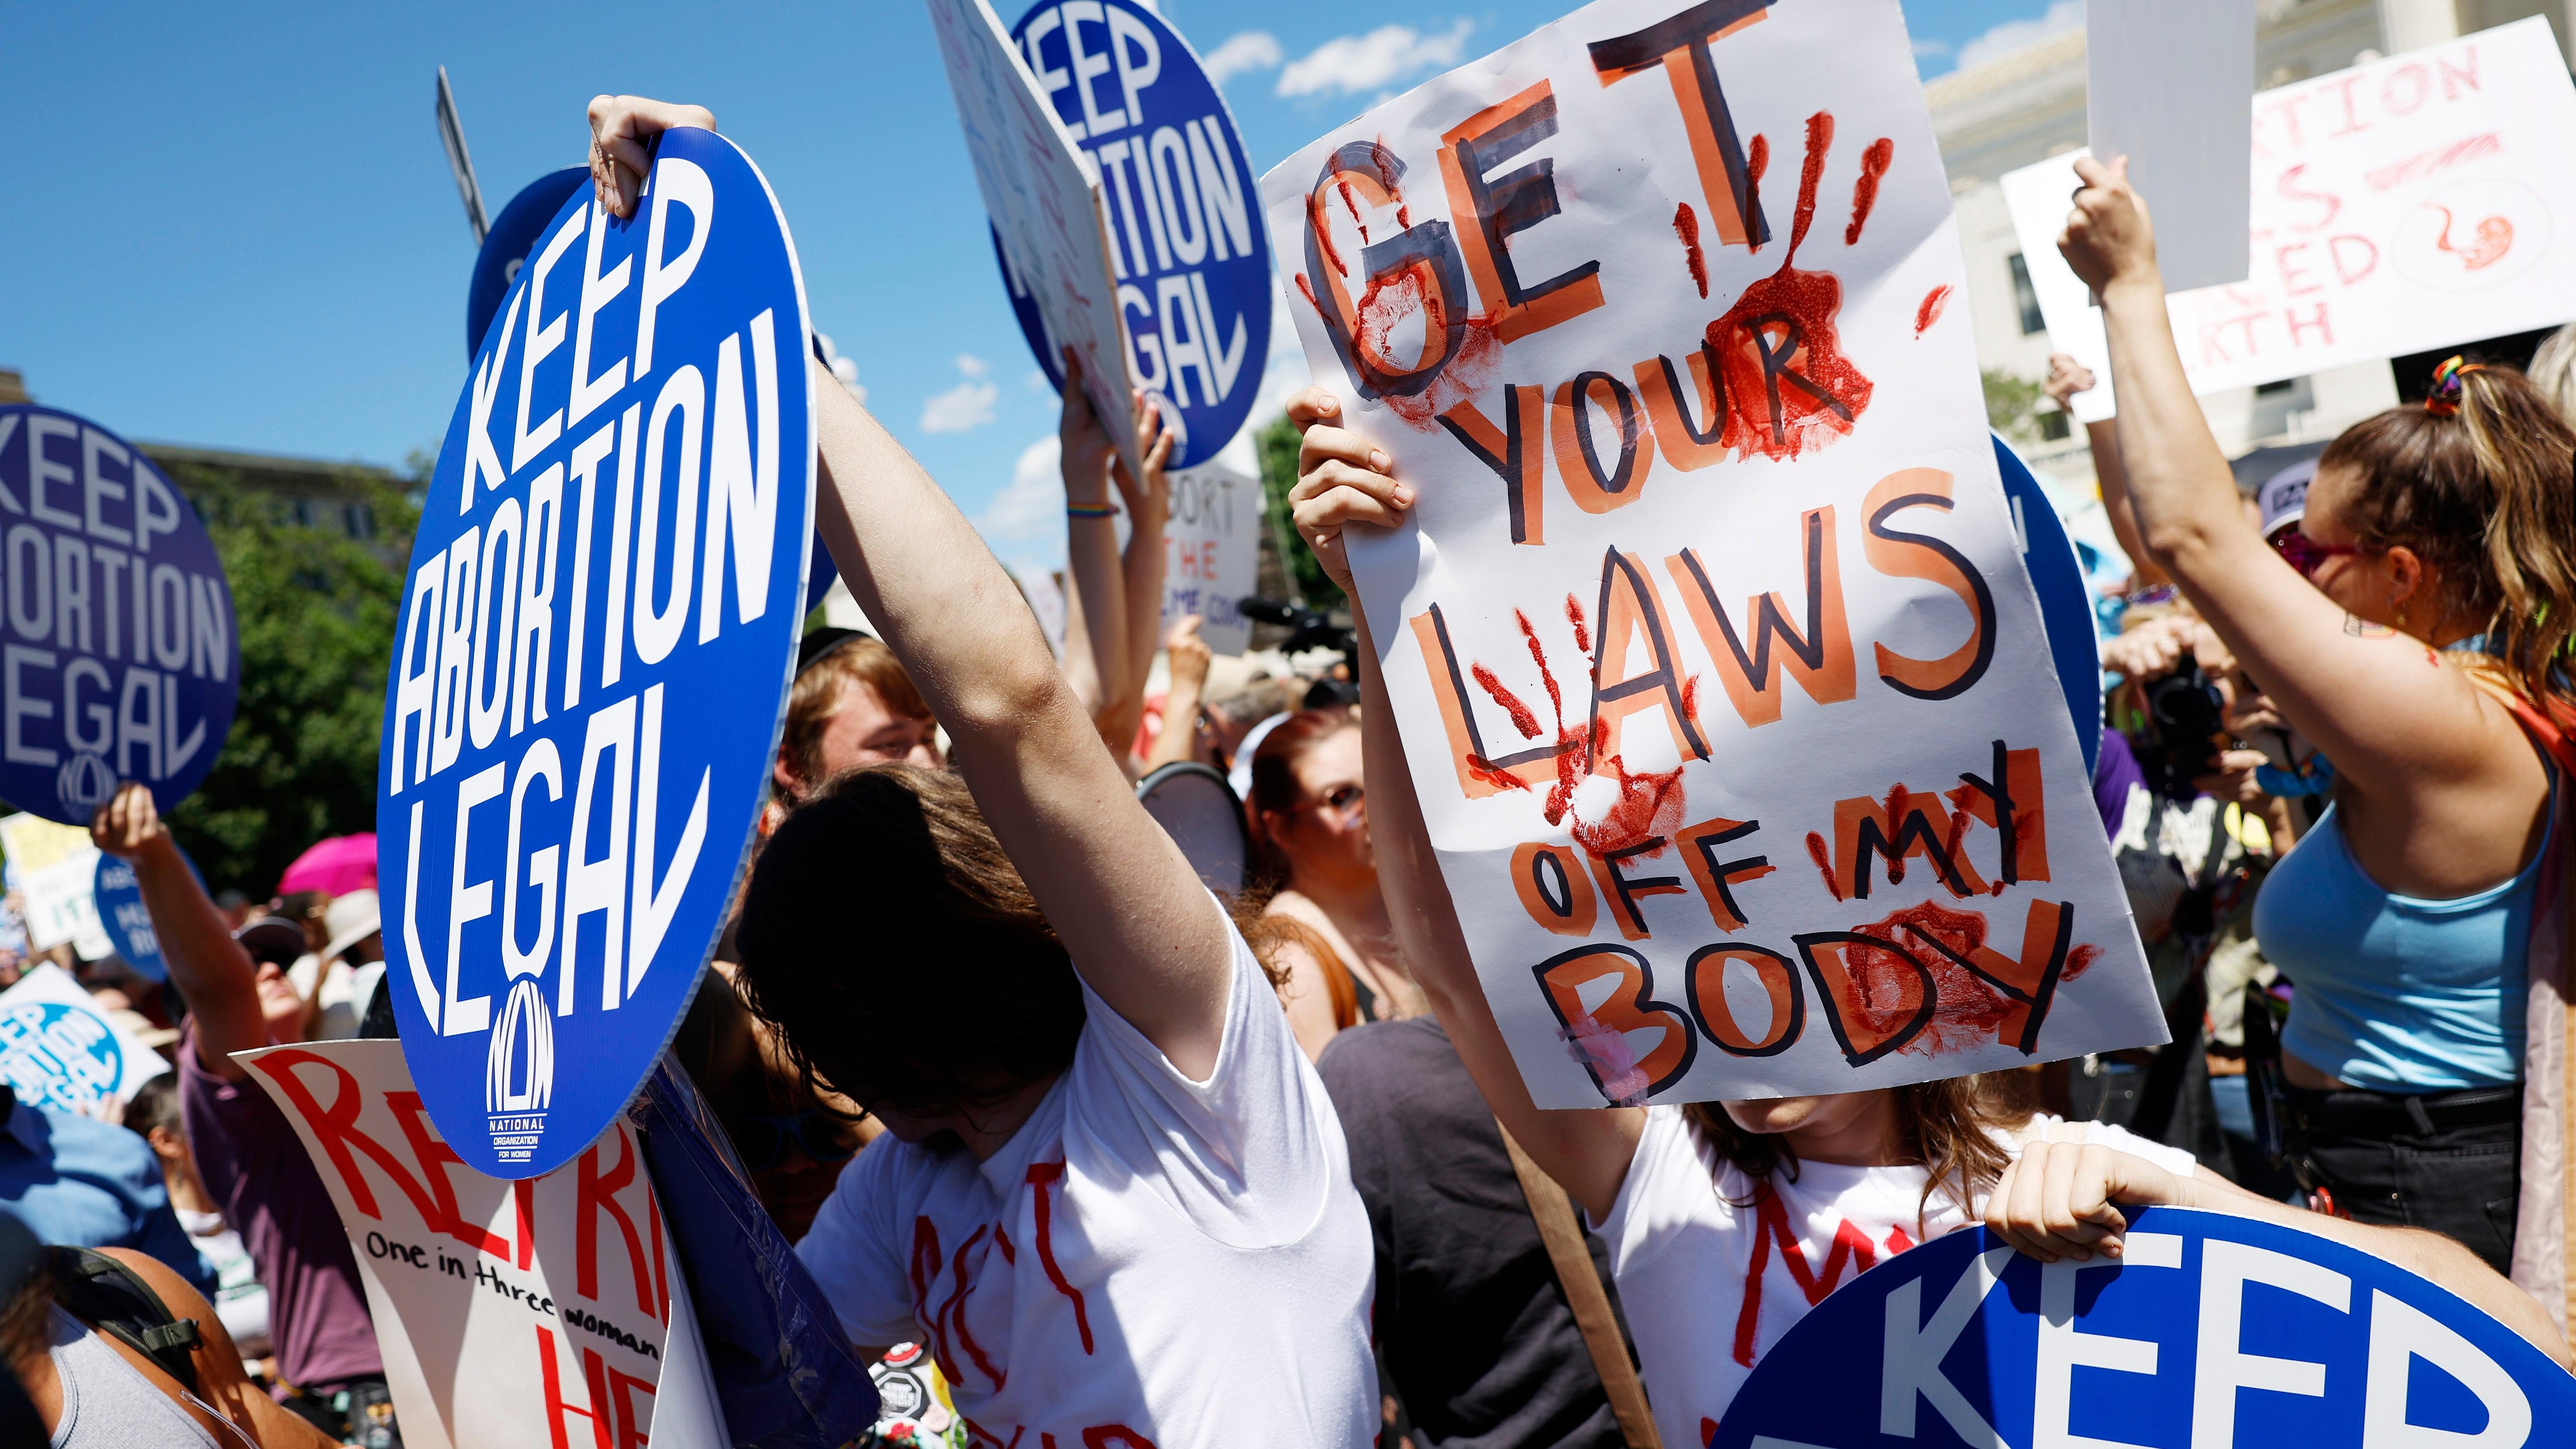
2380 705
1126 903
1343 480
2058 1201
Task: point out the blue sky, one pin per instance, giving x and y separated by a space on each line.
234 226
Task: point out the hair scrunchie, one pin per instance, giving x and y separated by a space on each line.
2444 399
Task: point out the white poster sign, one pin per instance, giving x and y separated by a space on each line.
2168 84
513 1315
2397 207
1212 551
1044 199
54 869
1717 667
58 1051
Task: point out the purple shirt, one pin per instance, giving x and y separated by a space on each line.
2114 771
255 1166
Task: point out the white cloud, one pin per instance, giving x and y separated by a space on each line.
1024 523
1351 64
965 407
1250 51
1926 48
2060 17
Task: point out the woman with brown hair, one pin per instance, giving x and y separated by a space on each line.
2414 627
1112 1198
1310 833
1726 1221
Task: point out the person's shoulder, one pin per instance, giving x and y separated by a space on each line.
99 1144
1375 1048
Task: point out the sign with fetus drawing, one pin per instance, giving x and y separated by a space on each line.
1721 680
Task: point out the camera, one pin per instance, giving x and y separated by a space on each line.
1307 628
2187 714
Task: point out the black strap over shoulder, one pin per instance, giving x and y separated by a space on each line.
112 1298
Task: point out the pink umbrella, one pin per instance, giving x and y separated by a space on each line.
341 864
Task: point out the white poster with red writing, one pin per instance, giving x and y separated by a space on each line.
525 1315
1722 683
2400 206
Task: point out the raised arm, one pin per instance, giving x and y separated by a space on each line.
2066 378
1096 618
2378 703
1179 739
1149 512
210 968
1342 480
1128 907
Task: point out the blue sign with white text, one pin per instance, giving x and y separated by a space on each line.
118 656
507 246
593 656
1186 239
2208 1330
122 914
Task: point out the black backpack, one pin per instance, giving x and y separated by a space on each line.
112 1298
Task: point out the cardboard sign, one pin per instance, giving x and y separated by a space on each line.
118 654
516 1315
58 1051
1186 243
52 867
1721 680
2208 1329
2167 84
1043 196
2398 207
1212 553
593 656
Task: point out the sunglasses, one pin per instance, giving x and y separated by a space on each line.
817 1132
2307 555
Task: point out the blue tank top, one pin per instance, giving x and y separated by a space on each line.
2393 993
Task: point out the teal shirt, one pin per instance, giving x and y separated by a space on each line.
2391 992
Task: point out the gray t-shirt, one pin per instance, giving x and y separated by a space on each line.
1473 1324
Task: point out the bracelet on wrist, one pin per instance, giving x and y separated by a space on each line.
1091 510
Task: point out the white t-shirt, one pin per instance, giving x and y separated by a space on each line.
1708 1286
1149 1263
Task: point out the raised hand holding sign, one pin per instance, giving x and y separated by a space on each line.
594 648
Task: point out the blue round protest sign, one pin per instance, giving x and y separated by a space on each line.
122 914
2209 1329
118 656
507 245
58 1058
593 656
1183 212
2065 605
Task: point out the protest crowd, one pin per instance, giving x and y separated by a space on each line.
1162 1159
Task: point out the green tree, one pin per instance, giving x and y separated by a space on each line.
1278 447
315 611
2012 404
